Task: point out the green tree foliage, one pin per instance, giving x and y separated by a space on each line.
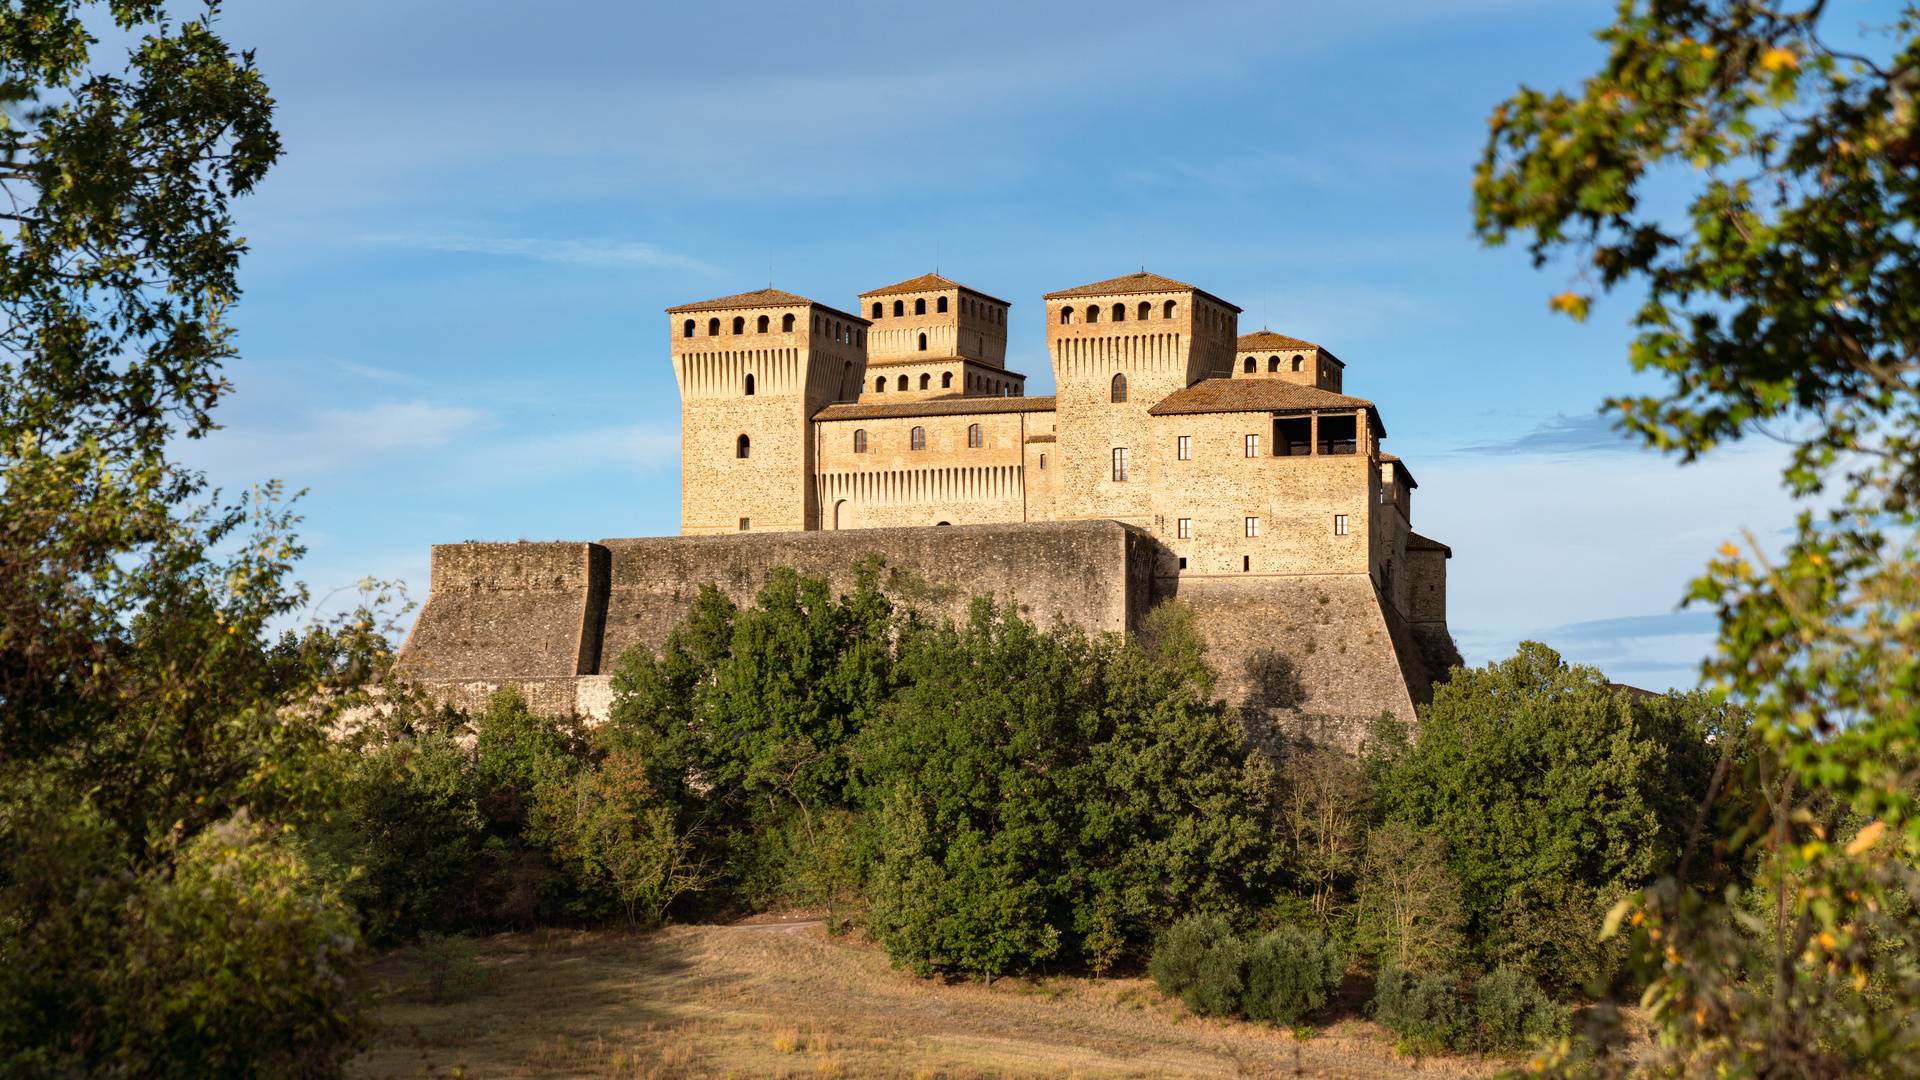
1426 1008
605 829
1513 1012
1779 300
1202 963
1408 912
1290 973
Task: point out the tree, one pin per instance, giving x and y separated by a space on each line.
1408 911
1781 301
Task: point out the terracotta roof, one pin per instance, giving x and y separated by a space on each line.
761 298
930 283
1411 482
942 360
1416 542
1043 438
1267 339
1253 395
1142 282
946 406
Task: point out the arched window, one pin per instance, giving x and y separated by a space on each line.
946 380
880 385
917 440
1093 313
860 441
1119 388
923 343
1167 310
713 327
786 323
941 305
925 381
686 328
1249 366
1146 309
860 339
899 307
878 308
1043 461
749 386
1273 363
739 324
762 326
1298 361
1119 313
974 439
1066 315
903 383
742 447
920 306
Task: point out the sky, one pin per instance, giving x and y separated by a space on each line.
452 325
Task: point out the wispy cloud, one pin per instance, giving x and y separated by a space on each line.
600 253
322 441
377 374
1563 434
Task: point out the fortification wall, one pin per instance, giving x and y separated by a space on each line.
510 611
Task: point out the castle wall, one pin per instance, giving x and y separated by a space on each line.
510 610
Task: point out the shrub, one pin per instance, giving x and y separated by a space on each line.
1425 1007
449 966
1290 972
1513 1011
1201 963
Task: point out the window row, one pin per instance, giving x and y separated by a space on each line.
917 439
1093 313
1252 364
901 383
991 313
1294 438
845 333
1183 528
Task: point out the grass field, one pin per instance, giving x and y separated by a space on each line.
786 1000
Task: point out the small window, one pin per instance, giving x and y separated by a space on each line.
920 306
899 308
1066 315
1043 461
902 384
1298 361
763 324
923 343
974 439
745 523
880 385
1183 564
1119 390
1247 368
1246 564
1253 446
713 327
1273 363
941 305
1253 526
742 447
860 441
1093 314
925 381
1184 448
878 309
739 324
686 328
1184 530
1119 313
918 439
1146 309
786 323
1339 524
1167 310
749 386
946 380
1119 463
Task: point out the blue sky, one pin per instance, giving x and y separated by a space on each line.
452 325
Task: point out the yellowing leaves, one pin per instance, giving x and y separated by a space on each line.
1868 837
1777 60
1572 303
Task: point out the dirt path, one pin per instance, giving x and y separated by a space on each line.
783 999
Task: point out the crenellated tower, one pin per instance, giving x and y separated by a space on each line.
933 337
753 370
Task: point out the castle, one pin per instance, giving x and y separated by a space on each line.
1176 458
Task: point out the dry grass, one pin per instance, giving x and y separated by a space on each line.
790 1003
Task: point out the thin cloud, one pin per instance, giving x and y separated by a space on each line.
597 253
375 373
1563 434
329 440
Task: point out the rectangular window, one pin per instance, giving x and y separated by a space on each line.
1246 563
1339 524
1253 446
1183 564
1119 463
743 524
1185 529
1253 526
1043 461
1186 448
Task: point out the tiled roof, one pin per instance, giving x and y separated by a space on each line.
1252 395
946 406
1390 459
761 298
930 283
1142 282
1043 438
1267 339
1416 542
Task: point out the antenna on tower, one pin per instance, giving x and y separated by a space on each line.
769 268
936 258
1143 249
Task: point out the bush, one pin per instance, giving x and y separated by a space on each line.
1290 972
1425 1007
1200 962
1513 1012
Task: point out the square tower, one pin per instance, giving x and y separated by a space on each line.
933 317
1267 355
1119 347
753 369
